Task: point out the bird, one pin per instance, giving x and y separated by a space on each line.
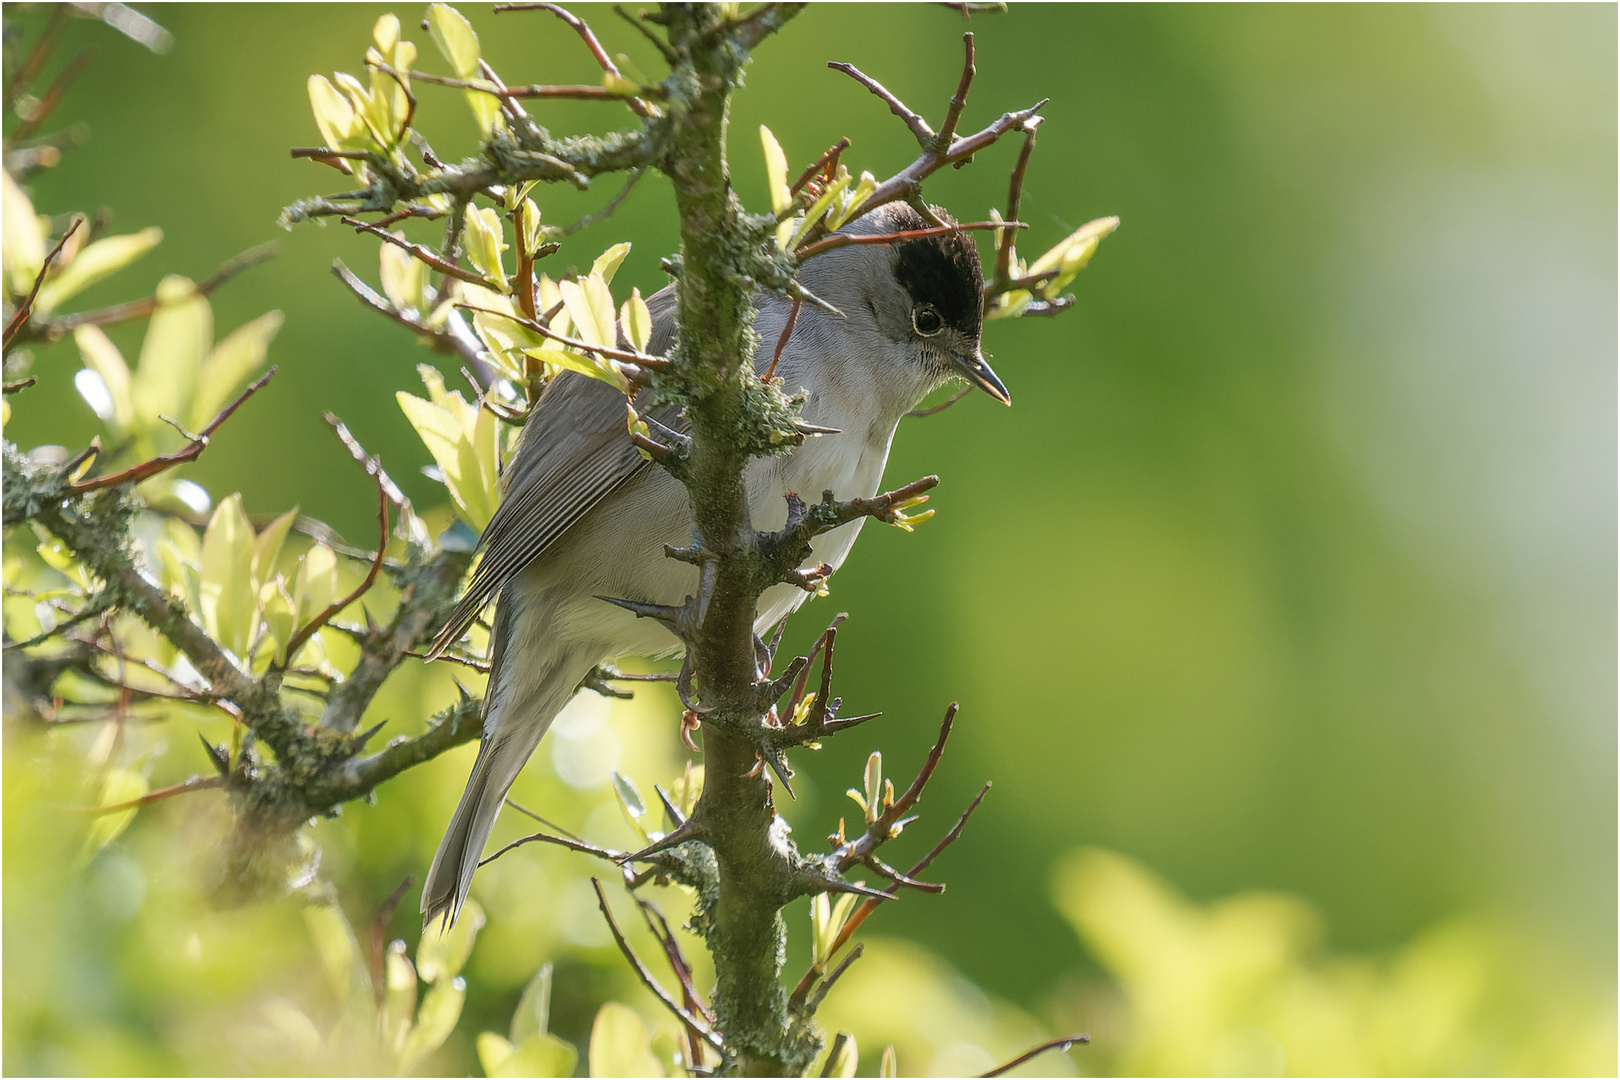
584 516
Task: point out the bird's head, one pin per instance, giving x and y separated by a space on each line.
926 295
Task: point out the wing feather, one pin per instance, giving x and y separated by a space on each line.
573 453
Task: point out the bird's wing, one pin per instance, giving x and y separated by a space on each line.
573 453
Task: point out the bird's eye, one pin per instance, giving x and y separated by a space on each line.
926 321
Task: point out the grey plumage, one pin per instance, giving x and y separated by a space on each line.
583 514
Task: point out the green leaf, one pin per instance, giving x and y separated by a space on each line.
590 305
228 366
686 789
341 128
630 801
442 953
863 190
102 356
22 238
486 239
533 1013
180 555
178 336
399 998
531 225
99 260
874 785
341 958
118 786
1071 254
619 1044
447 440
775 171
230 599
607 264
636 321
441 1008
385 33
847 1057
538 1055
570 360
819 208
277 608
454 36
890 1065
267 545
316 585
458 43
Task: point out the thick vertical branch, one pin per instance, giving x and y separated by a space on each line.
716 345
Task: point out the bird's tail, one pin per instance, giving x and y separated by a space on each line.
516 721
451 874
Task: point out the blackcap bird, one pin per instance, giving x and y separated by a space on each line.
583 515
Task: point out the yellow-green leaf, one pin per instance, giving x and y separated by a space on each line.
874 784
607 264
890 1065
119 786
448 441
404 278
341 958
454 36
228 366
619 1044
533 1013
590 305
230 599
775 171
485 240
636 320
102 356
179 335
277 609
399 997
442 953
267 545
538 1055
341 128
1070 255
842 1057
22 240
99 260
435 1020
316 585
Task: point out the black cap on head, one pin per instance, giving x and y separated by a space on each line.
940 270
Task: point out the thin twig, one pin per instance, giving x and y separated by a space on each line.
1056 1044
781 342
545 838
814 1001
827 162
26 308
137 309
53 97
582 28
320 620
647 979
151 467
423 253
919 127
600 215
838 240
196 783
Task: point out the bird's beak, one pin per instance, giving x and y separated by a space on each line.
977 372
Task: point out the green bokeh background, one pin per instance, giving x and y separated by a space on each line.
1292 566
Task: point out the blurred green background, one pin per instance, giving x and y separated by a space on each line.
1291 569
